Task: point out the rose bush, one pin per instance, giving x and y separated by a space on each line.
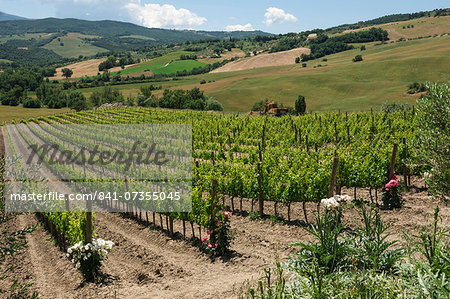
219 237
88 257
391 195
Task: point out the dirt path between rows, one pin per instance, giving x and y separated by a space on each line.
146 263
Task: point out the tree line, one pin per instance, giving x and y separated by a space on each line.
324 45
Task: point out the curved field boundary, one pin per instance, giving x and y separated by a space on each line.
264 60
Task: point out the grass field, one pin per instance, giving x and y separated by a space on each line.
9 113
383 76
165 58
165 68
226 55
73 46
138 37
417 27
26 36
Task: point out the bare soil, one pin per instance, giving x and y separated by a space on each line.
146 263
263 60
85 68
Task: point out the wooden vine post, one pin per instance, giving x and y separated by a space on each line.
88 235
260 193
333 176
332 180
2 143
392 165
405 174
213 196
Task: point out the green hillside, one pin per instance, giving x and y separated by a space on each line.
87 38
166 68
340 83
8 17
73 45
383 76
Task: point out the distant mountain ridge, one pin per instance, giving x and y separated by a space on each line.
108 29
51 40
8 17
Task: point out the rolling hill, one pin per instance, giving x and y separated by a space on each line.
69 38
338 83
8 17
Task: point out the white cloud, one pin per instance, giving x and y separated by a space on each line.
136 11
158 16
277 15
247 27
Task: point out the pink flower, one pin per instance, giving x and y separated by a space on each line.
217 245
209 232
394 177
387 189
404 198
210 245
204 239
227 214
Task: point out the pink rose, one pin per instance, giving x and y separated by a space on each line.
204 239
404 198
209 232
387 189
217 245
394 177
227 214
210 245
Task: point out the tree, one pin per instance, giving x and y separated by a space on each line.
358 58
31 103
76 100
432 141
363 48
146 91
67 72
300 105
297 60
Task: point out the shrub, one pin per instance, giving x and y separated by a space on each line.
304 64
363 48
416 87
394 107
31 103
219 237
258 106
373 252
358 58
88 257
297 60
203 82
432 141
392 197
212 104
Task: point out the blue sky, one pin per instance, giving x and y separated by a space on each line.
272 16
